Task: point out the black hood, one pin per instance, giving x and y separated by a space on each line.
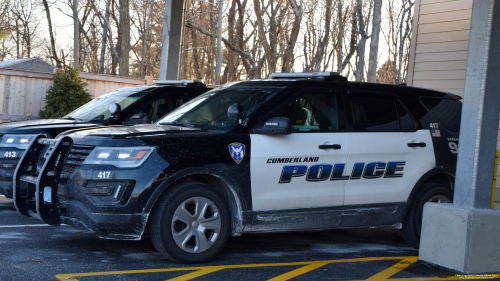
137 130
129 135
47 126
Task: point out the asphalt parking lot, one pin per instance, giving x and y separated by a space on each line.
32 251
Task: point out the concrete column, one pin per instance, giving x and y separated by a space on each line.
173 29
465 236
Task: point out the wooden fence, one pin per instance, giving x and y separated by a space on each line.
22 93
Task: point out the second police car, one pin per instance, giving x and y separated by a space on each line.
129 106
300 151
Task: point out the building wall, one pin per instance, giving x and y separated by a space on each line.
22 93
438 52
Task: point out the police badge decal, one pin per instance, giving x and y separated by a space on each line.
237 151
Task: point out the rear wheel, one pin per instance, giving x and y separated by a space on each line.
190 224
412 225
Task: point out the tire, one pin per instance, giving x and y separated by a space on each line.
190 224
412 224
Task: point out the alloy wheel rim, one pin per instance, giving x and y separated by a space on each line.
439 199
196 225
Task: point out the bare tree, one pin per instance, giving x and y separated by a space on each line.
145 40
374 42
125 37
288 56
51 33
104 38
76 33
358 73
219 44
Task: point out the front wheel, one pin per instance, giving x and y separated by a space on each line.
190 224
412 225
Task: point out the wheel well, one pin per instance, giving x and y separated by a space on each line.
442 178
445 179
228 193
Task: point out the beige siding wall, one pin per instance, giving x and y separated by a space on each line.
439 48
441 45
23 93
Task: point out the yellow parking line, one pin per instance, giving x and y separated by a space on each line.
457 277
307 266
294 273
198 273
402 264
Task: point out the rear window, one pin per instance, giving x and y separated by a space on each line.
446 111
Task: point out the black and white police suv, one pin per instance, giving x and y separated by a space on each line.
294 152
127 106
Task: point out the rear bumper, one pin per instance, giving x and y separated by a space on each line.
108 226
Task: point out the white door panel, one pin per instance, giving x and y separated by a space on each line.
407 163
298 152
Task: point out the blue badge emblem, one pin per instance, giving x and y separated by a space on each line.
237 151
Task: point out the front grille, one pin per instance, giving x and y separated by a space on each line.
75 159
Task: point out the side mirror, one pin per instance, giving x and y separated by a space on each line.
136 119
275 126
236 112
115 109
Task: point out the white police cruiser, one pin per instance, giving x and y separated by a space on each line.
298 151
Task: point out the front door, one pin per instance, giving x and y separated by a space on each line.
297 170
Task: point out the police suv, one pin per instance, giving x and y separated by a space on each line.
129 106
298 151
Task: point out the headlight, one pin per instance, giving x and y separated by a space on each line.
17 141
120 157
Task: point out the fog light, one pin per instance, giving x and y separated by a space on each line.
106 192
98 191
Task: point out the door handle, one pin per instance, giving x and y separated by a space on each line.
328 146
417 144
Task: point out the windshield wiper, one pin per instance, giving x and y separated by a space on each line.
178 124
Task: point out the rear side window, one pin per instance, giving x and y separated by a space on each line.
373 113
446 111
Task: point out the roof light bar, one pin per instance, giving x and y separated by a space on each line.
299 75
180 82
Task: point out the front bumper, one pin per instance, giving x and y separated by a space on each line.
7 167
106 225
104 199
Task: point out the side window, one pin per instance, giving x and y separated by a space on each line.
312 112
164 105
405 120
373 113
447 111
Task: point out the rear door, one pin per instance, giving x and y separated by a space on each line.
387 153
294 171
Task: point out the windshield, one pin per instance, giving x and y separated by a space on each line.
98 109
209 111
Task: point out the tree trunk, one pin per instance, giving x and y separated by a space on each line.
373 59
104 37
219 45
194 39
145 40
324 42
341 36
288 57
125 37
358 73
262 37
51 34
76 45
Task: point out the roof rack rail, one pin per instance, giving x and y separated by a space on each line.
302 75
180 82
